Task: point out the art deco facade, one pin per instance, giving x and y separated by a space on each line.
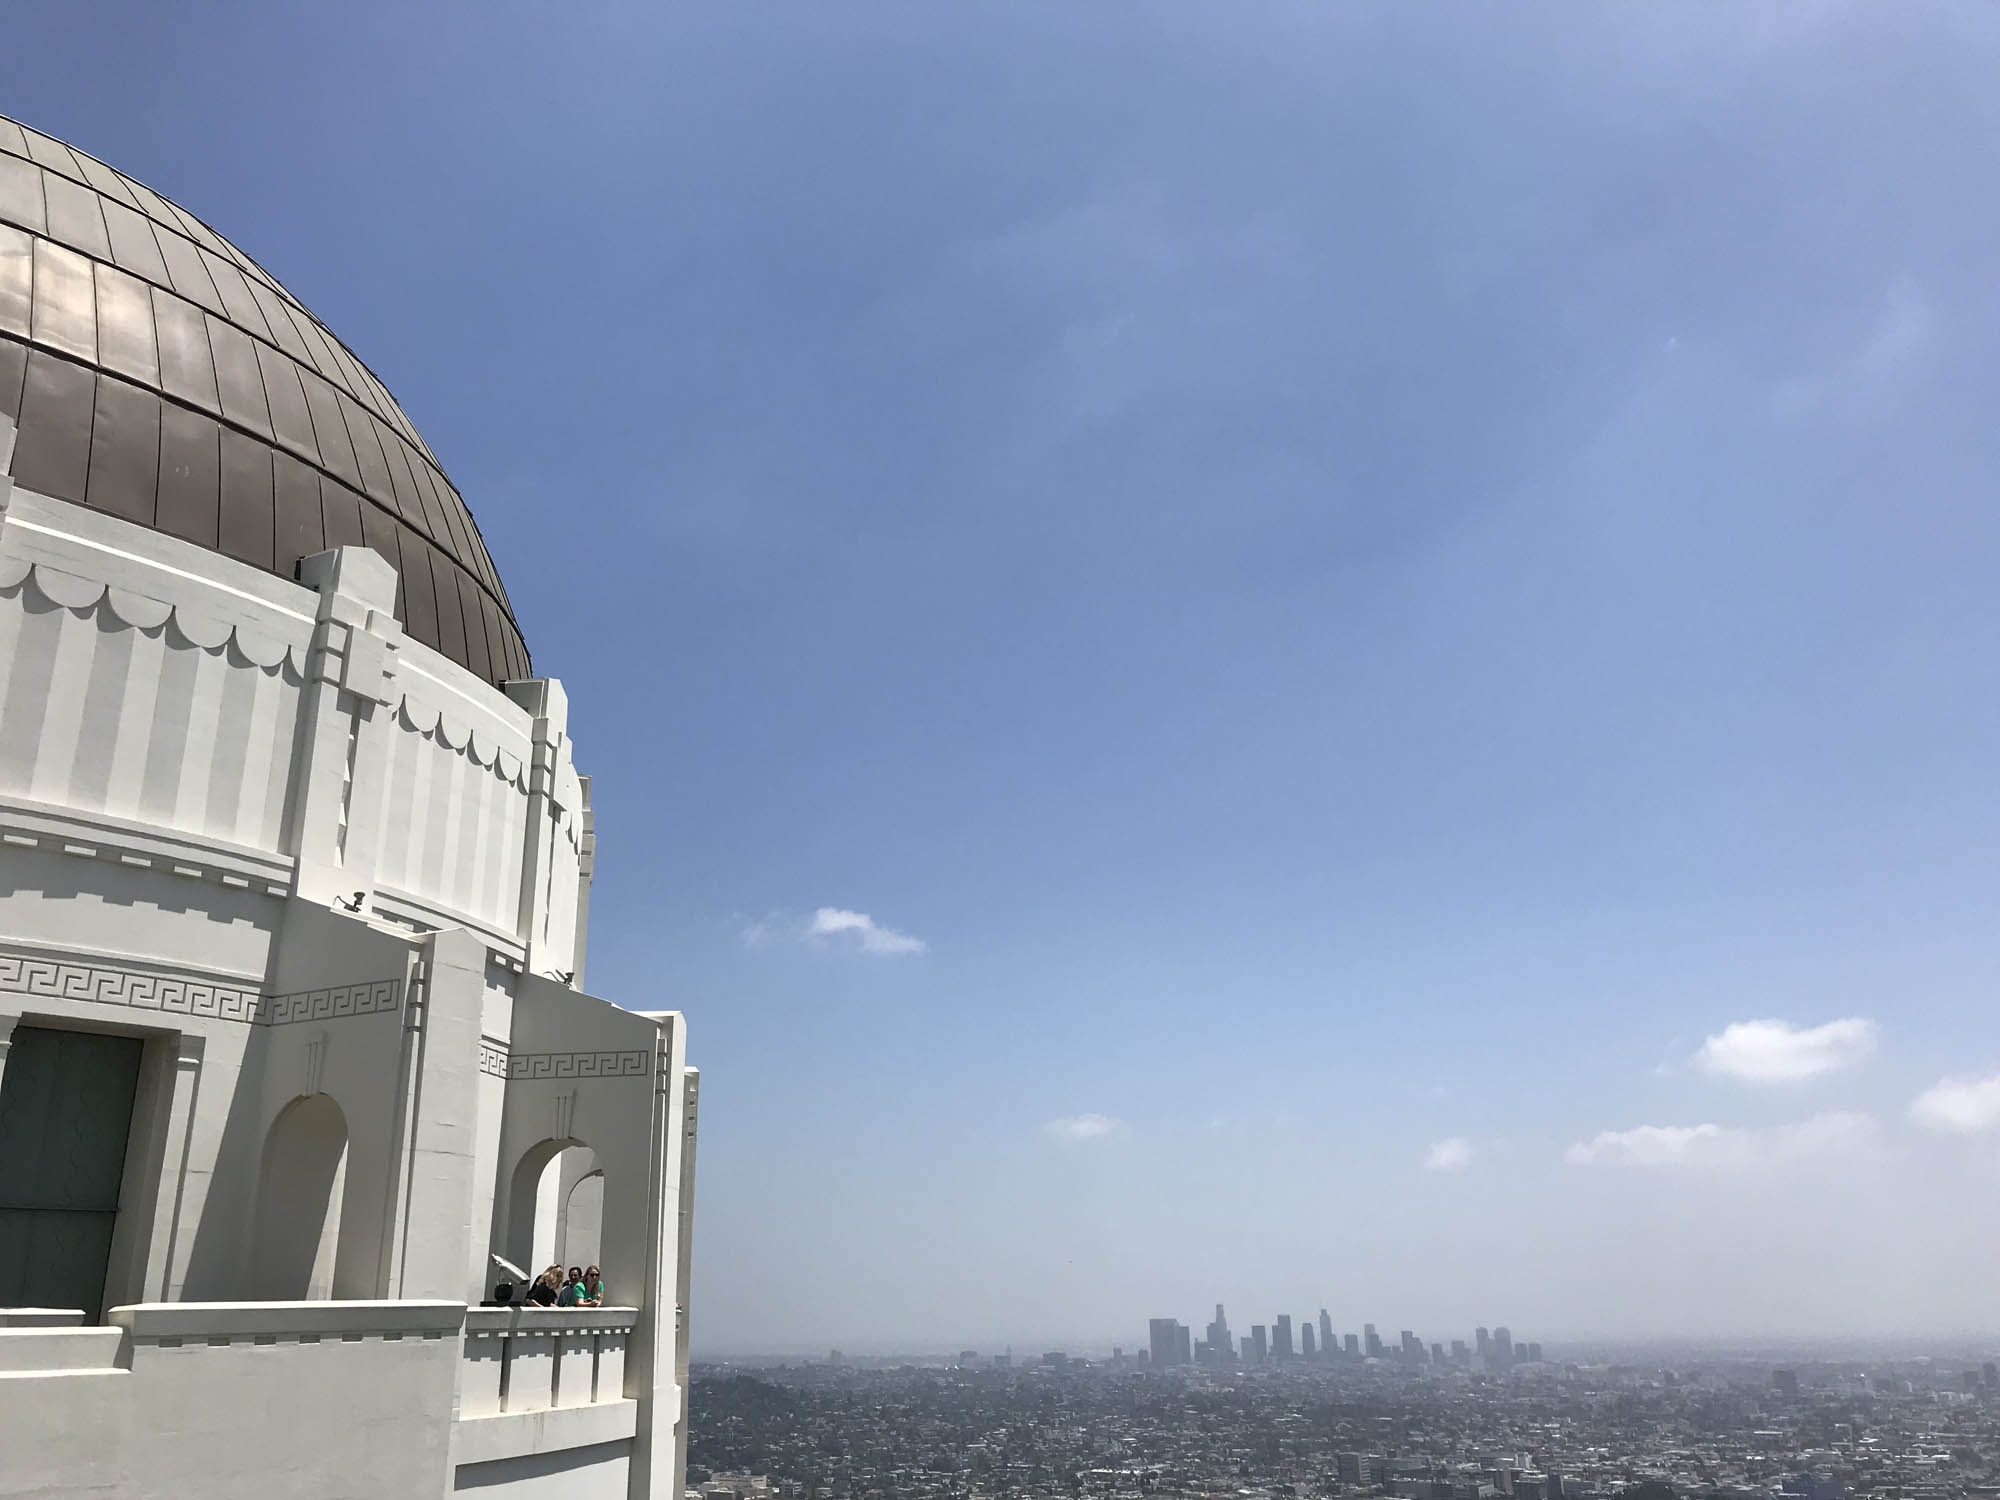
295 864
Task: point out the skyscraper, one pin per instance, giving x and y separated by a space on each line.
1413 1348
1307 1349
1353 1346
1260 1348
1503 1347
1483 1344
1281 1336
1166 1341
1371 1340
1222 1347
1326 1343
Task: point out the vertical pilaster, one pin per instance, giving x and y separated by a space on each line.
544 699
164 1258
335 816
650 1374
683 1273
442 1145
7 1023
586 862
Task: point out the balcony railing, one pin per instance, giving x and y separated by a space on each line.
521 1359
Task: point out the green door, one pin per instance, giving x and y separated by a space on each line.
65 1112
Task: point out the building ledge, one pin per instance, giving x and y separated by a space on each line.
58 1351
231 1322
513 1434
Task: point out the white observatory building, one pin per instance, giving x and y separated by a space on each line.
295 865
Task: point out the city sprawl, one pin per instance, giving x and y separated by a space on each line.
1415 1420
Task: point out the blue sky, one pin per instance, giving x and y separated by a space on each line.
1343 586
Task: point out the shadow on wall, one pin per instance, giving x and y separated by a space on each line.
299 1251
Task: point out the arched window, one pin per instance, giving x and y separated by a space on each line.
295 1251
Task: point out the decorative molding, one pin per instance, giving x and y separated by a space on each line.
71 979
492 1059
365 999
314 1071
46 978
262 648
528 1066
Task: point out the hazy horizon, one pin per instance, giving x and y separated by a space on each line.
1310 654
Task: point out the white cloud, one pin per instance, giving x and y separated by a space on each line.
1710 1145
1079 1130
832 923
1452 1154
1779 1052
1959 1106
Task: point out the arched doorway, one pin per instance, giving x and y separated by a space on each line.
295 1251
580 1225
544 1190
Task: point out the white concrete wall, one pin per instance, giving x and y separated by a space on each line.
310 860
324 1400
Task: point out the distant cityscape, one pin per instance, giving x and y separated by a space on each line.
1170 1343
1253 1417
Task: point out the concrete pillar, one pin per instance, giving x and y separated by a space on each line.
650 1375
684 1265
165 1271
440 1147
548 706
338 768
7 1023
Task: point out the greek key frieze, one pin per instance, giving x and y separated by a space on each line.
328 1004
44 977
526 1066
48 978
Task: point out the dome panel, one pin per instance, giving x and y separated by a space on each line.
159 374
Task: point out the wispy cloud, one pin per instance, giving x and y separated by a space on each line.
1959 1106
1778 1052
833 921
1081 1130
1452 1154
1710 1145
832 924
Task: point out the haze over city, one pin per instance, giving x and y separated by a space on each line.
1298 655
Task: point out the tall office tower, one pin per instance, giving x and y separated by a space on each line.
1218 1337
1534 1354
1260 1350
1249 1350
1162 1341
1181 1353
1989 1375
1437 1354
1503 1347
1352 1345
1785 1382
1371 1340
1307 1348
1327 1347
1413 1348
1483 1341
1281 1336
1458 1355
